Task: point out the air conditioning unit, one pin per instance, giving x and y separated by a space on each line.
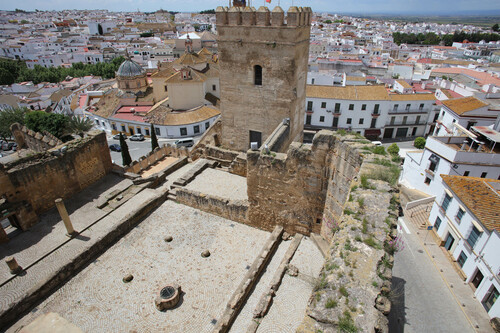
254 145
328 111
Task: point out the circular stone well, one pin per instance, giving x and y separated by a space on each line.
168 298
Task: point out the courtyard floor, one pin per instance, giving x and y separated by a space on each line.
97 300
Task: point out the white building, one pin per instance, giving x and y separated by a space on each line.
475 153
368 110
465 217
466 112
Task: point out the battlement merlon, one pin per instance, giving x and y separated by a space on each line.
248 16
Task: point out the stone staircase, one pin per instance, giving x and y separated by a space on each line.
419 215
186 178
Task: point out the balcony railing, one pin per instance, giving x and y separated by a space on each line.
407 123
402 111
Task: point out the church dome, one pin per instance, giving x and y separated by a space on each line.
130 68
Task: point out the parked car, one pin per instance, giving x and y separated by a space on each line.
185 142
137 137
115 147
8 145
117 136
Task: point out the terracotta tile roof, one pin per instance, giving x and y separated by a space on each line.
107 104
195 78
404 84
365 93
164 116
462 105
191 59
362 93
480 195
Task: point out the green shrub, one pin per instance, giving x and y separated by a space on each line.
396 159
393 149
375 284
346 323
387 174
343 291
331 303
370 241
365 226
380 150
419 143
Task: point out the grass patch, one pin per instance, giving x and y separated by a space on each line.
343 291
365 184
381 161
396 159
332 266
350 197
387 174
358 239
370 241
331 303
364 228
346 323
375 284
341 132
348 246
348 212
320 283
379 150
361 202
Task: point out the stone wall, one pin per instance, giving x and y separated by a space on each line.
234 210
252 38
37 180
154 156
280 139
291 189
354 287
38 142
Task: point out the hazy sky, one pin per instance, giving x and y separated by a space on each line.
352 6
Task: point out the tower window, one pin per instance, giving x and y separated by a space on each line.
257 75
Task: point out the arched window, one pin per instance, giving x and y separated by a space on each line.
257 75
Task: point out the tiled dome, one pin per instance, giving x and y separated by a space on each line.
130 68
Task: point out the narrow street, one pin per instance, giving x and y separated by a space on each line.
422 301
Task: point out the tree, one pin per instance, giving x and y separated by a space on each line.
55 124
495 27
393 149
8 117
126 159
79 125
419 142
328 21
154 139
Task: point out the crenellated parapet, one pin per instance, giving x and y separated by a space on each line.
248 16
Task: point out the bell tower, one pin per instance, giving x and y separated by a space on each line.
263 68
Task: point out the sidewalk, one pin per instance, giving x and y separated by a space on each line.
462 293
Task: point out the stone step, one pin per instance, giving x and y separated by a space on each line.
321 243
172 197
246 287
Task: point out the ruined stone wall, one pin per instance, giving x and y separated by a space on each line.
291 189
38 142
152 157
354 287
251 38
280 139
41 178
234 210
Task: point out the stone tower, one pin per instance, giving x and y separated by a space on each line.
263 68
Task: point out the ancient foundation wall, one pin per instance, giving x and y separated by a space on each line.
280 139
39 142
291 189
41 178
234 210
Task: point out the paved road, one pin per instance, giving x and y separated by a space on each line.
136 149
422 301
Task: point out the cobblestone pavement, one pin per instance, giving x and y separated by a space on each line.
49 232
220 183
17 288
289 305
245 316
97 300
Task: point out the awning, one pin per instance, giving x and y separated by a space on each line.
491 134
449 193
478 226
373 132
